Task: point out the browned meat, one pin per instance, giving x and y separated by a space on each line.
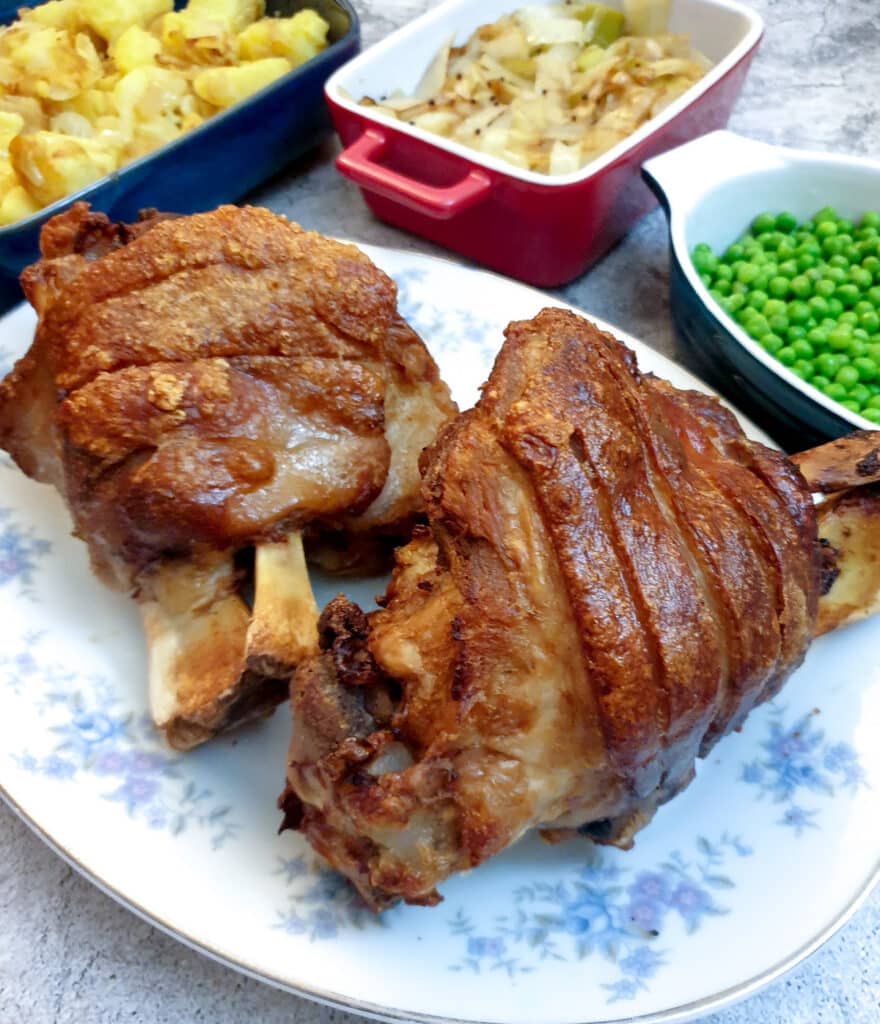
202 385
613 577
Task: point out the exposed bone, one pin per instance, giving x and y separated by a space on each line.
202 677
849 524
196 627
284 620
851 461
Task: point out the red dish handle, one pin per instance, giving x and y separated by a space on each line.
357 162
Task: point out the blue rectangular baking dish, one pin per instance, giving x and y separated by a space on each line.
217 162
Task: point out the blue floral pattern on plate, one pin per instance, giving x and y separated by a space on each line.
798 759
604 909
20 553
320 902
93 735
457 326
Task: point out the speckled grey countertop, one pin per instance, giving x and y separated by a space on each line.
70 955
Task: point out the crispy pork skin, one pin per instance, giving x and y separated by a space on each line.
202 388
612 577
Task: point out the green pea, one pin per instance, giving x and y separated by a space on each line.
872 265
786 222
849 317
722 287
706 279
803 369
833 246
763 222
847 376
779 324
806 262
827 364
826 229
809 246
723 272
857 347
773 344
778 287
852 253
873 296
827 213
824 289
848 294
873 350
786 355
801 286
734 253
866 367
758 326
820 382
757 299
770 240
840 262
862 306
861 335
859 393
798 312
803 349
861 278
872 414
788 268
874 402
836 391
845 225
870 322
871 219
817 336
734 302
835 306
818 306
747 273
852 406
839 338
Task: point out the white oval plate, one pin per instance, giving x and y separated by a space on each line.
737 879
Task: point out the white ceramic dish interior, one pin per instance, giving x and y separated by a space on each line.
716 184
721 29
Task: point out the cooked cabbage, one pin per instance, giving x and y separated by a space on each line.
551 88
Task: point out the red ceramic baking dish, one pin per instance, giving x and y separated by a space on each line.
541 229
